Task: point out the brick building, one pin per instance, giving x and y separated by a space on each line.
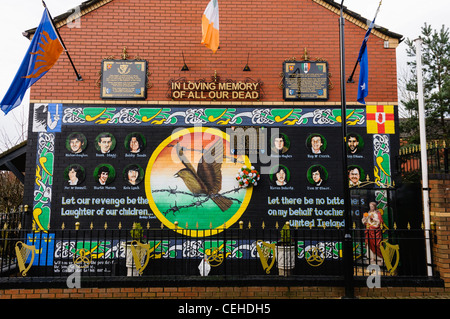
264 36
260 45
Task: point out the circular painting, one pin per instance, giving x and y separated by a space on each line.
190 182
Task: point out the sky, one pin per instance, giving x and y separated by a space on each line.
405 17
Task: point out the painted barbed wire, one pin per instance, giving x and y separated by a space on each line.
197 203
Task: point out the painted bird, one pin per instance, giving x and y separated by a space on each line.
207 179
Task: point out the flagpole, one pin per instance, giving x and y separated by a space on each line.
423 153
79 78
348 240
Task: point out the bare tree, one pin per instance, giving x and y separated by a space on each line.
15 128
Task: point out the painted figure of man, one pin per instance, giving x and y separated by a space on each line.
103 174
317 175
105 143
316 144
279 144
354 175
353 143
76 143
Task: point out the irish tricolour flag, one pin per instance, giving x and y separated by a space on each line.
210 26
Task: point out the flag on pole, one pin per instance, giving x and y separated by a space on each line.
363 85
210 26
43 52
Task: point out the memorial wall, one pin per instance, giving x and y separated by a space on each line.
126 163
139 141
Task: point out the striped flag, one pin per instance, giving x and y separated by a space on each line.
210 26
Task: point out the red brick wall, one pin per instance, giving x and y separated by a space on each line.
159 31
250 292
440 216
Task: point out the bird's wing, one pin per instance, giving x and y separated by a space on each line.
183 158
210 167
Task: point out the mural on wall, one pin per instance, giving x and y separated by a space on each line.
116 165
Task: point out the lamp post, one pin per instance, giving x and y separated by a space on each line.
348 238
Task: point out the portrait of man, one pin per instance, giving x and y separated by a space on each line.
134 142
75 175
133 174
280 175
105 143
353 143
318 175
316 143
76 143
280 143
104 174
354 176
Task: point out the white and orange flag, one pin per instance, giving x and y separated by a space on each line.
210 26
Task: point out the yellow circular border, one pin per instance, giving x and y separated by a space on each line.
161 217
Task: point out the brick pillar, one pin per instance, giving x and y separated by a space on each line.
440 219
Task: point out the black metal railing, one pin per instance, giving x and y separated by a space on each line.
409 160
231 252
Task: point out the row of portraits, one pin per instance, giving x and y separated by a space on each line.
135 143
103 174
316 143
133 174
316 175
105 142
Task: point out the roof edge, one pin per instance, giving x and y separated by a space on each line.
91 5
74 13
359 20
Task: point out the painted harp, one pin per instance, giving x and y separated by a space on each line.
23 251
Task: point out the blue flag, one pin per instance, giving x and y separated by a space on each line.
363 85
42 54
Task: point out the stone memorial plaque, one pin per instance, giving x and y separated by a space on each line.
305 80
124 79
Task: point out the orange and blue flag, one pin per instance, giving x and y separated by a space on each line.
43 52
